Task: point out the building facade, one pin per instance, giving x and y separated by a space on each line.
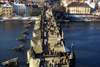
40 7
19 9
78 8
34 10
0 11
27 10
7 10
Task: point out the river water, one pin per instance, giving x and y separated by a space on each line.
9 31
85 35
86 38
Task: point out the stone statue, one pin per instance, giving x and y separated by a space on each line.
32 52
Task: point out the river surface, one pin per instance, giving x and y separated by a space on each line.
86 38
85 35
9 31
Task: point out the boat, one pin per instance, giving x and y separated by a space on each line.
2 20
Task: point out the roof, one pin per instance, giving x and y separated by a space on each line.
81 2
35 6
19 4
2 2
6 5
74 4
68 2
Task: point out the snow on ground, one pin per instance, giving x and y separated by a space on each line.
34 18
80 16
21 18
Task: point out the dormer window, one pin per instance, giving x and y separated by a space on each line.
6 4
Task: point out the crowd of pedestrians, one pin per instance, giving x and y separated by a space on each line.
51 28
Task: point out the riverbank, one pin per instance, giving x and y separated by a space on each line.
22 18
76 18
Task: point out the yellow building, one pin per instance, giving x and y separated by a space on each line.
7 10
78 8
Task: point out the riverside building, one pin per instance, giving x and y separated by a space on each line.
27 10
78 8
0 11
34 10
7 10
19 9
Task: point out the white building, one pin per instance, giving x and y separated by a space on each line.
93 4
19 9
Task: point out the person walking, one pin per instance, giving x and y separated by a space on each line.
48 50
45 64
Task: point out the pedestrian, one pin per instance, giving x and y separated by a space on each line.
49 64
48 50
45 64
62 60
57 34
54 64
65 61
54 55
47 44
45 23
53 50
45 53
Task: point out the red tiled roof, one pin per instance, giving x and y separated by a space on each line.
74 4
68 2
81 2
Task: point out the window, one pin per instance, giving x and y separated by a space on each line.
7 10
